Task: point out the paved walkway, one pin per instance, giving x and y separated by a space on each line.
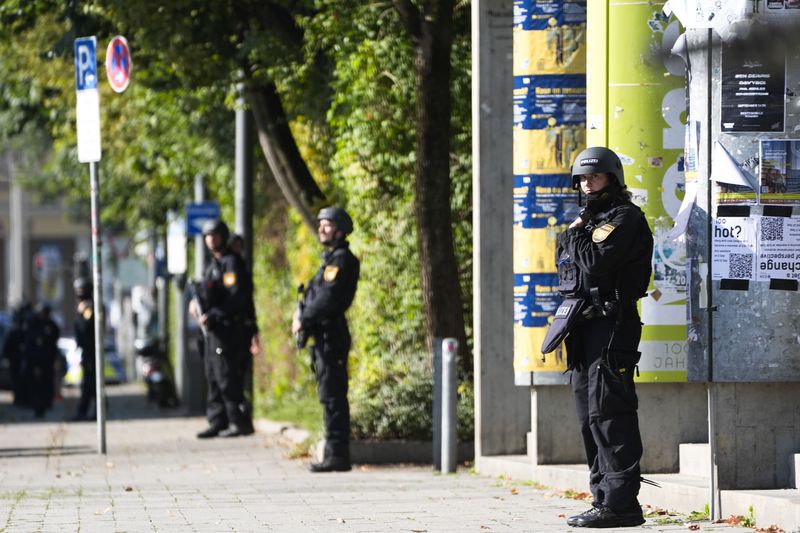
156 477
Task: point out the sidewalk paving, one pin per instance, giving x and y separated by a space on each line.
157 477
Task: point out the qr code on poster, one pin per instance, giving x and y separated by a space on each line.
741 266
771 229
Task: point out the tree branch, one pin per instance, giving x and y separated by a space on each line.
410 16
281 152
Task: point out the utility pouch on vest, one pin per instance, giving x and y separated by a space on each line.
563 322
568 276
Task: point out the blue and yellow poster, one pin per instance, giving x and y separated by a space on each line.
549 130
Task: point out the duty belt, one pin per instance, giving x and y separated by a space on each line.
599 307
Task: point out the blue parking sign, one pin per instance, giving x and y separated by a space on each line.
86 63
198 214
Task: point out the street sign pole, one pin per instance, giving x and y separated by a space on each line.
88 128
99 311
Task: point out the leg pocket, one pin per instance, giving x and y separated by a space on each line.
615 373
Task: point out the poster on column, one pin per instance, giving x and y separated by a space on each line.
734 248
778 248
753 88
535 301
549 37
779 173
544 200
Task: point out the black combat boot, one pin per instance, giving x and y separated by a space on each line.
573 520
603 516
331 464
237 431
209 433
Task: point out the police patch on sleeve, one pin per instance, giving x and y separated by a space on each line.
601 233
229 279
331 271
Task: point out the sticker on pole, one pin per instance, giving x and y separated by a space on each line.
118 63
88 100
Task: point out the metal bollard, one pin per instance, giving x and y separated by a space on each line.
449 385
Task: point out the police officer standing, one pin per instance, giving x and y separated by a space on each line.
84 338
13 350
41 349
604 257
328 296
226 293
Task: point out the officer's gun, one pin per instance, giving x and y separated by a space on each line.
197 293
301 337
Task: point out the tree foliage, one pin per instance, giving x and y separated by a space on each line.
335 88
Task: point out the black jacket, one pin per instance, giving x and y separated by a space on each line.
330 293
227 292
613 250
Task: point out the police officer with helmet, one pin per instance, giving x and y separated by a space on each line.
84 338
328 296
224 298
604 258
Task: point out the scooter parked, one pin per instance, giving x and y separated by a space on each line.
156 370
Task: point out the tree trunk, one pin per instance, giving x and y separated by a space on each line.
282 155
440 282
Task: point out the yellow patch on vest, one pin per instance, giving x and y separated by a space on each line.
229 279
331 271
87 313
601 233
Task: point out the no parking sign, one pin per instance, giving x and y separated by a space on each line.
118 63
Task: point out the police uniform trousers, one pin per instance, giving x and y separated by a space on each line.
224 365
330 367
88 386
605 397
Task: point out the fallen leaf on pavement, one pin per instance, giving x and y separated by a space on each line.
128 489
514 490
771 529
693 527
562 515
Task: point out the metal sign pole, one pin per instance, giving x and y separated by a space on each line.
714 510
99 314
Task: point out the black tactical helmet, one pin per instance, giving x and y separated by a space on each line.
83 287
339 217
597 160
217 226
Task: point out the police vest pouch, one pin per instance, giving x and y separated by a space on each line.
563 321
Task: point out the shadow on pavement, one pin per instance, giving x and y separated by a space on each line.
35 451
125 401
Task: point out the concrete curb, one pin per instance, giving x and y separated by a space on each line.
380 452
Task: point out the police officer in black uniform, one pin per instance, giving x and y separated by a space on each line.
41 349
226 292
328 296
13 350
84 338
604 257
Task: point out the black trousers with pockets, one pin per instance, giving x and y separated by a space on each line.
606 402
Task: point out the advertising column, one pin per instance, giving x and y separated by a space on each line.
639 111
549 129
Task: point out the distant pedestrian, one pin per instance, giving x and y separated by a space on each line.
604 260
236 244
224 307
84 338
41 352
13 351
328 296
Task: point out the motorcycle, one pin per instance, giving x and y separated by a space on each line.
156 371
